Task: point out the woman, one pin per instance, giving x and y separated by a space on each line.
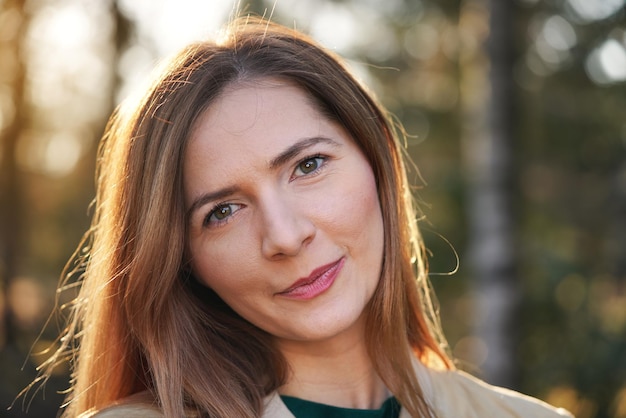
254 251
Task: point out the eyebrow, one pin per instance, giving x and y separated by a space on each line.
297 148
274 163
210 197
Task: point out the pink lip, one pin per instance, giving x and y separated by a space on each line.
320 280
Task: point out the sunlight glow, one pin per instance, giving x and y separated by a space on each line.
69 55
590 10
334 26
61 154
50 154
559 34
66 26
169 25
554 38
607 63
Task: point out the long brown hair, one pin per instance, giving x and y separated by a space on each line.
142 322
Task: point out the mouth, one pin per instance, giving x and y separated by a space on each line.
320 280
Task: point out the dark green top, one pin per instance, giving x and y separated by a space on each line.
307 409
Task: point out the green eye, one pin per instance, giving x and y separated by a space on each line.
220 214
309 165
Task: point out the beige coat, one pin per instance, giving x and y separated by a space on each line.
452 394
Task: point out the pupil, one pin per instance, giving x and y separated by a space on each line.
309 166
223 212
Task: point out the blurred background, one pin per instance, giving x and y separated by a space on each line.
516 117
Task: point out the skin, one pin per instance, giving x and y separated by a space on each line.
276 191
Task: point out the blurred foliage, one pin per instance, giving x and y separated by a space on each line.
64 63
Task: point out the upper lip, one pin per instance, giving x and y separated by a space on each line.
315 274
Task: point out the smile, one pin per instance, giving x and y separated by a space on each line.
320 280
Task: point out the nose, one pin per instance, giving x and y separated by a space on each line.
286 228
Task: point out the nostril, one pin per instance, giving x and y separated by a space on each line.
287 236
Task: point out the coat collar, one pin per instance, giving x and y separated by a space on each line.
276 408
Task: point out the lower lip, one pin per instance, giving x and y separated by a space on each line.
316 287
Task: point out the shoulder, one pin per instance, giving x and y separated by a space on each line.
455 393
275 408
129 411
140 405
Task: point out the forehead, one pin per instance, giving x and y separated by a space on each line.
252 117
246 126
258 105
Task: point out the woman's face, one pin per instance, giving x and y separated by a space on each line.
285 222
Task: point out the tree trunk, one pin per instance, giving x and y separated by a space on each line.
487 154
12 69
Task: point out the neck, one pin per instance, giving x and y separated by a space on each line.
337 372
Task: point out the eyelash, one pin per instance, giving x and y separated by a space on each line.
219 222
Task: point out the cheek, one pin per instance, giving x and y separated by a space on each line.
356 218
218 264
361 205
